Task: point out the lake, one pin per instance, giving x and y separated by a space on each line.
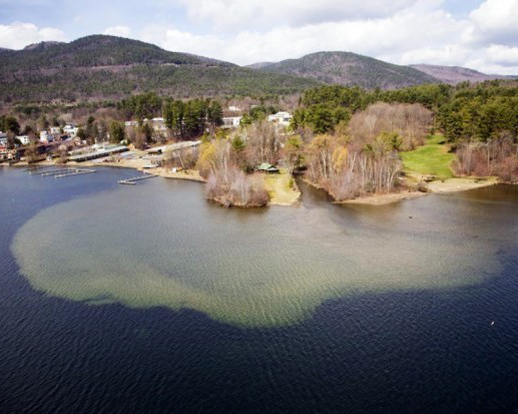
148 298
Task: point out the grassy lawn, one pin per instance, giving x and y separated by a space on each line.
278 186
432 158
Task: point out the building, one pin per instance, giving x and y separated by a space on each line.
55 130
233 108
71 130
3 146
231 121
106 152
266 167
130 123
24 139
45 137
282 118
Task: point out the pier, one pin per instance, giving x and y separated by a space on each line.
133 181
48 171
73 172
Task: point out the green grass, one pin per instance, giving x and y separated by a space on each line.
432 158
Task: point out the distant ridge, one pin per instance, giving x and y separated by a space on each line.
455 74
259 65
348 68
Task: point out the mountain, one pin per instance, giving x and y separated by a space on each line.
259 65
454 74
41 45
349 69
108 67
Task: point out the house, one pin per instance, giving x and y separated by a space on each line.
266 167
71 130
233 108
24 139
55 130
45 136
282 118
3 139
231 121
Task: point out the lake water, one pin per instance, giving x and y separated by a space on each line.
147 298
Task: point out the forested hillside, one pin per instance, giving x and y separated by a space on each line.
106 67
347 68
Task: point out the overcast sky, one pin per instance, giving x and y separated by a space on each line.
481 34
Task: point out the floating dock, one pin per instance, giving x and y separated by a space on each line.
73 172
48 171
133 181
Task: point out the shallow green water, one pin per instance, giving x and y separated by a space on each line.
162 244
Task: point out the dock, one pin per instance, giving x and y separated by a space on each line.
73 172
48 171
133 181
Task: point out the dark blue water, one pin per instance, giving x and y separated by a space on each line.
419 351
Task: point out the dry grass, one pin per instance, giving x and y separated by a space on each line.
282 188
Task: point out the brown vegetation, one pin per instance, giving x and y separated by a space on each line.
348 174
411 122
497 157
227 184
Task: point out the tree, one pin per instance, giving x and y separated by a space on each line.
81 134
91 130
117 133
9 124
294 152
215 115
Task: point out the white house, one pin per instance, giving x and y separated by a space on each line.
233 108
71 130
45 136
3 139
24 139
55 130
282 118
231 121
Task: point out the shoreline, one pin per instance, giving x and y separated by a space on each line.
459 184
447 186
